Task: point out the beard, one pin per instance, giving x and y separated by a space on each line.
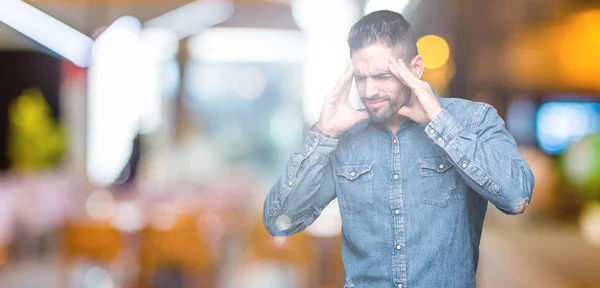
392 108
382 114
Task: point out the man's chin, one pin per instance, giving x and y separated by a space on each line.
376 116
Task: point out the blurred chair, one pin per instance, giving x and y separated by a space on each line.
269 261
97 241
179 247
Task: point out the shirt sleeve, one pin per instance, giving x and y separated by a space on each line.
304 188
486 156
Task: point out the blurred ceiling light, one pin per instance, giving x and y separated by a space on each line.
434 50
191 18
393 5
247 45
325 25
112 102
46 30
316 15
121 34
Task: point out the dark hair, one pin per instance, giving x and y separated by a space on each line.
384 27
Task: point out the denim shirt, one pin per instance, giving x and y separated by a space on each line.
413 202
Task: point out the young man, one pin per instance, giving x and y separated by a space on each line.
412 173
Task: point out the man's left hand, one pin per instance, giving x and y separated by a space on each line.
424 106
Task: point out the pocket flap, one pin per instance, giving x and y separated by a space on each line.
353 171
438 164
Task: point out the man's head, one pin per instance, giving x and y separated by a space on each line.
373 40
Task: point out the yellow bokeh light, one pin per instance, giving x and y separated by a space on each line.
434 50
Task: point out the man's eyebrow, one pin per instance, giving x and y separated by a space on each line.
379 74
383 74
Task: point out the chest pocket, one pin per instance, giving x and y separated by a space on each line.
441 185
356 186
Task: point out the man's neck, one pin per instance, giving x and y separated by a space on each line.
395 122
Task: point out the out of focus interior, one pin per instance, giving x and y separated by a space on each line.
138 139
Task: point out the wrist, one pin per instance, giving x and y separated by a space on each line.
318 129
434 113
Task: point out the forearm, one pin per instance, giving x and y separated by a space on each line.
303 189
487 157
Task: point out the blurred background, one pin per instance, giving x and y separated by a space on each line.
138 139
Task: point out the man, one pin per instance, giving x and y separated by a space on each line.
412 173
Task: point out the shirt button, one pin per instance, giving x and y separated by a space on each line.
441 166
352 174
315 139
397 247
464 165
310 148
431 131
291 182
396 176
440 139
397 211
395 141
399 285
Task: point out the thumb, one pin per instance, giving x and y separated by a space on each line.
361 115
405 111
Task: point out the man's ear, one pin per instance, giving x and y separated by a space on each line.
417 67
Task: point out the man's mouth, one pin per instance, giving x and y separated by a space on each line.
375 104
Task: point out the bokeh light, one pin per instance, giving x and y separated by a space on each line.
581 165
280 242
434 50
440 78
589 222
128 217
283 222
98 277
164 216
100 204
578 50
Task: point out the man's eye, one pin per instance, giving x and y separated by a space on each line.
359 78
383 76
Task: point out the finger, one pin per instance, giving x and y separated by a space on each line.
403 73
405 111
345 91
346 78
394 71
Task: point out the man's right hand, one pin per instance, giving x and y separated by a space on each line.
337 113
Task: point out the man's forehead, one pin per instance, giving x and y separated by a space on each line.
370 70
371 60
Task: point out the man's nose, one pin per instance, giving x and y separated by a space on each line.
371 88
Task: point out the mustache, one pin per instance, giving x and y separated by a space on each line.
376 98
